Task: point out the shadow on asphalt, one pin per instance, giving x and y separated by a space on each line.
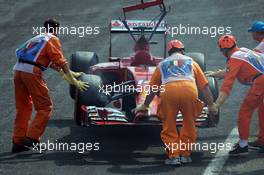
253 172
126 149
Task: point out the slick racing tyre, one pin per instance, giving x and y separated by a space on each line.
215 93
198 58
81 61
93 96
213 87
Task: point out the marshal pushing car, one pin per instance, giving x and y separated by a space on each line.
135 49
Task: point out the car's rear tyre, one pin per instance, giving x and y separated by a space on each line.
198 58
93 96
77 110
213 86
212 83
81 61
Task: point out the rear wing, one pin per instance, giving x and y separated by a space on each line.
117 26
143 6
156 25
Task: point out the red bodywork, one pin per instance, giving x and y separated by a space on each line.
139 68
123 71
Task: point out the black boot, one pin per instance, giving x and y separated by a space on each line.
256 144
17 148
29 142
33 143
237 150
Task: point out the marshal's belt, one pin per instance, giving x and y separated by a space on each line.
32 63
257 76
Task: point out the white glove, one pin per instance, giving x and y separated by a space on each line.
141 107
213 109
209 73
220 73
221 99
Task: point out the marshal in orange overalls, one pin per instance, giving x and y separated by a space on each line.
240 67
30 89
260 49
180 95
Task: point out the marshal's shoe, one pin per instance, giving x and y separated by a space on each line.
173 161
237 150
186 159
17 148
256 144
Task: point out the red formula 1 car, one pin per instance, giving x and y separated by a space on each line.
117 86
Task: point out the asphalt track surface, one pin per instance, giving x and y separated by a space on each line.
123 150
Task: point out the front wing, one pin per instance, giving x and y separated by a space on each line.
103 116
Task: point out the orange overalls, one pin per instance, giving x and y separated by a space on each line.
260 49
180 95
243 66
30 89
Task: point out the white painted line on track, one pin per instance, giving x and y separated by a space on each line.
218 162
